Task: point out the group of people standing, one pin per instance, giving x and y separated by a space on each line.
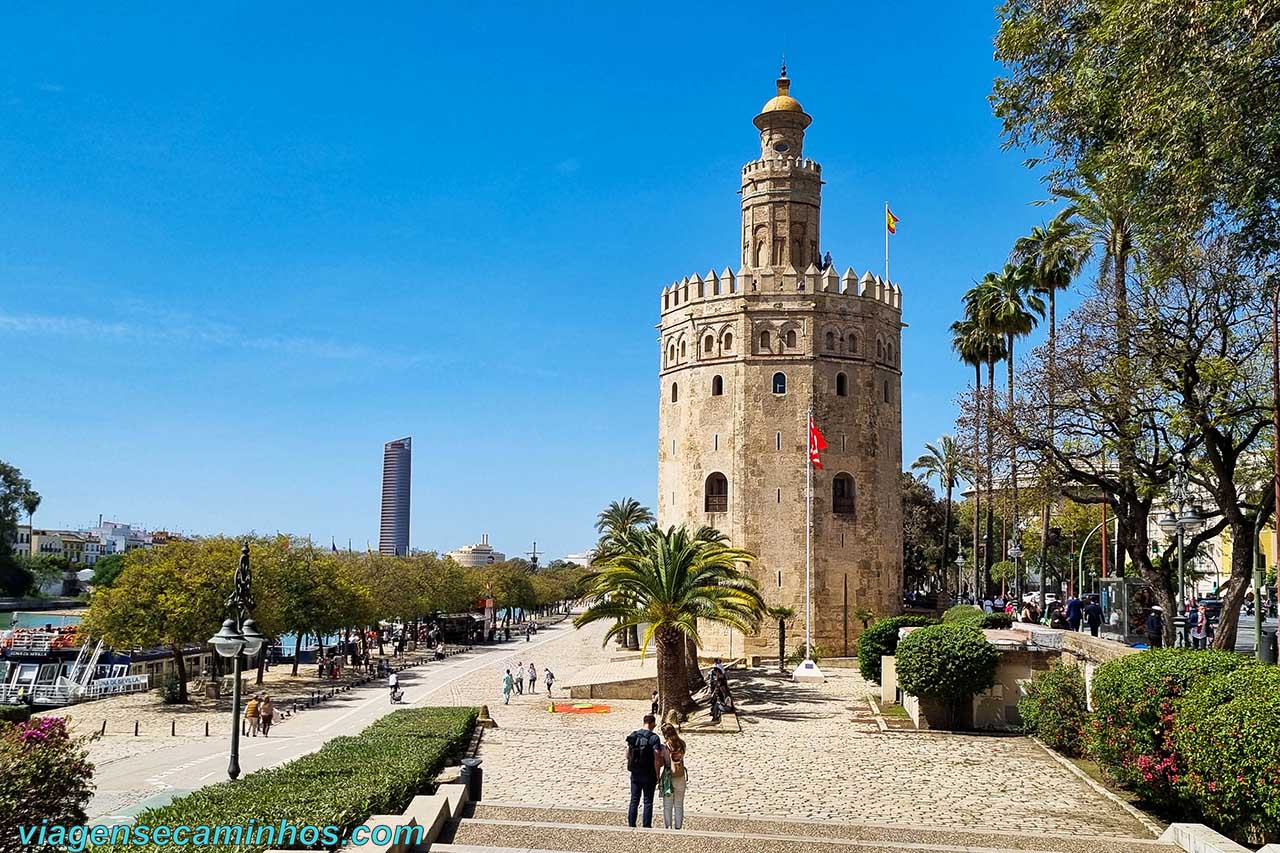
655 765
516 683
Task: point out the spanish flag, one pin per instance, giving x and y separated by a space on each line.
890 221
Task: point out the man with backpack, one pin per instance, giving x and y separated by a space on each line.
644 761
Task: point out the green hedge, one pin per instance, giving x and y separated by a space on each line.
967 614
1226 736
14 713
1134 701
348 779
882 639
1055 709
946 662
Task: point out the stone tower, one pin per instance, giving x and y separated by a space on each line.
744 356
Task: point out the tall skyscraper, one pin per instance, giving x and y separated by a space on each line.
397 465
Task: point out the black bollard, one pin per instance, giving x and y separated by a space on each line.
473 777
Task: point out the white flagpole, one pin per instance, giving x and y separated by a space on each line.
886 242
808 539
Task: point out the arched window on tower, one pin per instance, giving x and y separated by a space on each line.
708 345
716 497
831 341
779 383
728 342
880 349
683 351
717 386
791 339
888 352
853 343
764 342
842 385
843 499
675 393
888 397
671 353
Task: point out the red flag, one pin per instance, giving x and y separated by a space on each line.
816 443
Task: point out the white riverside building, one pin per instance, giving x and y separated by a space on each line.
479 554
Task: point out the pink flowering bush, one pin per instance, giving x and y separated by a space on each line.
1134 703
1226 733
46 775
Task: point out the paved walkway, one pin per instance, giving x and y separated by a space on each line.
810 751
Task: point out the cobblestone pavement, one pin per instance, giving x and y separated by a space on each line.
809 751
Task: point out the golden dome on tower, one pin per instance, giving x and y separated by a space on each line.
783 100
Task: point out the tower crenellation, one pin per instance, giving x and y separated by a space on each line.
745 355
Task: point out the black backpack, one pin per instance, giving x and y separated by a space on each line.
640 752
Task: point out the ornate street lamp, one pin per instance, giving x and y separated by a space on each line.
238 636
1015 551
1181 519
959 571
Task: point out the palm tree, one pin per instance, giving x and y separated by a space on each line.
784 615
985 342
30 503
1010 308
617 525
1102 215
669 580
1053 255
946 462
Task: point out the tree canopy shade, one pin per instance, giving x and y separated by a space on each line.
1176 100
668 580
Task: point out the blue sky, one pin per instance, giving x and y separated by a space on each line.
242 247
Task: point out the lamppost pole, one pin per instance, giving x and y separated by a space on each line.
239 635
1275 420
1182 518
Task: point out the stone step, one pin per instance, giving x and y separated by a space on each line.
849 838
600 831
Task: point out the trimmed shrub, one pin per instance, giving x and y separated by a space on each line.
1055 708
967 614
1133 705
15 713
1226 733
47 775
996 620
946 662
170 690
348 779
882 639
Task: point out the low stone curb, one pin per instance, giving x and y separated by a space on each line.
1137 814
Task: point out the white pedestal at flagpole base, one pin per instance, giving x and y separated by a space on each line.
808 671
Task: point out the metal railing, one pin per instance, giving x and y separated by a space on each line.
65 693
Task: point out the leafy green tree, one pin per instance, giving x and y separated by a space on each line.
669 580
47 776
922 522
106 570
169 596
16 495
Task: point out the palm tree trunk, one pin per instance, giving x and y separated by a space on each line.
673 687
693 673
974 472
991 479
946 540
1013 472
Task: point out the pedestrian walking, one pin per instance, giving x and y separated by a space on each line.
507 687
519 680
653 703
1093 615
1073 612
533 678
675 778
644 760
1202 631
251 718
1155 627
266 715
549 678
